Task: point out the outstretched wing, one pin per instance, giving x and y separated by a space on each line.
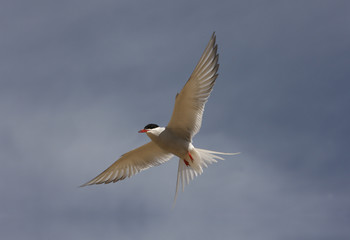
133 162
187 115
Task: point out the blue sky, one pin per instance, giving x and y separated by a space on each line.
78 79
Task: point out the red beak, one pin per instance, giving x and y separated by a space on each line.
143 131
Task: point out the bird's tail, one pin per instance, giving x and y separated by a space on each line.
192 166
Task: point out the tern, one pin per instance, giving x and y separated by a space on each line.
176 138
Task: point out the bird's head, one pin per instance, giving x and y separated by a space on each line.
148 127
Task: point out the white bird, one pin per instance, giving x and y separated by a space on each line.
176 138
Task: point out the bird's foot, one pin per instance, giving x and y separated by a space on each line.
189 154
186 162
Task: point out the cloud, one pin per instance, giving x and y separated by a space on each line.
79 79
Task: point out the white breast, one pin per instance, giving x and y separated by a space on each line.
169 141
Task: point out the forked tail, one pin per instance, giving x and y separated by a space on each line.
201 158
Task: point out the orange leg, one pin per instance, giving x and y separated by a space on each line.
189 154
186 162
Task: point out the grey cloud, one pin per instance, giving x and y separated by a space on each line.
78 79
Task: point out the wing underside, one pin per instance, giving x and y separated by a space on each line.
189 106
131 163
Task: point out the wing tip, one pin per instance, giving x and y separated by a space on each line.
213 35
98 183
85 184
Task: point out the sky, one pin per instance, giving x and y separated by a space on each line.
78 79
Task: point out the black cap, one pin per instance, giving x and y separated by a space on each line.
151 126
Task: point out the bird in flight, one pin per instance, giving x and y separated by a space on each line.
176 138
